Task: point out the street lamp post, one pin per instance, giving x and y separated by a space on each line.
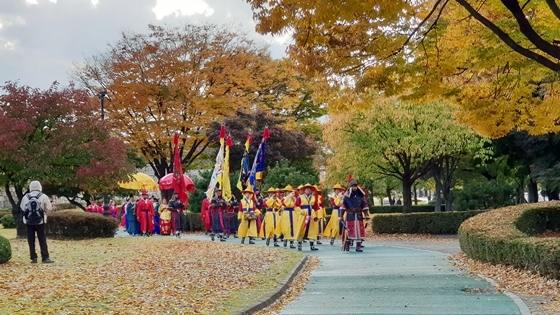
102 96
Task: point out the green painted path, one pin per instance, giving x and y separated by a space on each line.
393 277
392 280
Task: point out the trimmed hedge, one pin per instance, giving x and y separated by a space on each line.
427 222
5 250
69 224
505 236
8 221
399 209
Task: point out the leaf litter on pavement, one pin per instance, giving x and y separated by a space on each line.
156 275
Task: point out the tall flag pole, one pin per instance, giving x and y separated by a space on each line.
258 163
216 174
245 170
179 184
225 184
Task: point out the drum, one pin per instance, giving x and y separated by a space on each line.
250 216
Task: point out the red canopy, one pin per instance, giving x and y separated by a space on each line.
166 182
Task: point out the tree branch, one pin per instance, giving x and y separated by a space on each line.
527 30
508 40
554 7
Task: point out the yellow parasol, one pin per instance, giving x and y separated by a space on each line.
140 181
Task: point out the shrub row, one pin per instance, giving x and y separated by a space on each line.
69 224
5 250
65 206
504 236
426 222
399 209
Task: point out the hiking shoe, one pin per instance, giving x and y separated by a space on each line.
34 260
47 261
314 248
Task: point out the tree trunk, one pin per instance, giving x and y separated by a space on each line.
391 201
437 196
407 196
447 198
16 211
533 191
415 195
521 192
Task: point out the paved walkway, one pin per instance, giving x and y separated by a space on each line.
394 277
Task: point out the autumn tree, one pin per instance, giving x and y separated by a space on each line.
180 79
395 139
50 136
283 145
496 58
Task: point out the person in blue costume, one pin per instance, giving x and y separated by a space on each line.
131 224
155 201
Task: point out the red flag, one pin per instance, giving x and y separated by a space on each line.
179 184
266 134
350 178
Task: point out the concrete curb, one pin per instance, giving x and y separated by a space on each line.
278 292
523 308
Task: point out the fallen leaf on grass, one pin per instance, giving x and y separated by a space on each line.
133 276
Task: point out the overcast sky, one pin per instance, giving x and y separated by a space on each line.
41 39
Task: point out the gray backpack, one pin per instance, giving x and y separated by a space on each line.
34 214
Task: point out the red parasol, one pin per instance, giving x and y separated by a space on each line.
166 182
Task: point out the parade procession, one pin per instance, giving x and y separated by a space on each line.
287 215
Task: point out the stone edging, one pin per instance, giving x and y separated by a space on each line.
278 292
523 308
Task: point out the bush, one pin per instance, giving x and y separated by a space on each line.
484 194
65 206
79 225
8 221
5 250
427 222
193 222
399 209
4 212
504 236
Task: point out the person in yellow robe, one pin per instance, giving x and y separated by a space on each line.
334 227
322 213
307 226
247 216
270 229
289 216
164 218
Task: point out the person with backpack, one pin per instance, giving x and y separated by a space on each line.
35 206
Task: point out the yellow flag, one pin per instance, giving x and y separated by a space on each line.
225 182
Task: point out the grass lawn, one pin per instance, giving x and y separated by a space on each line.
134 275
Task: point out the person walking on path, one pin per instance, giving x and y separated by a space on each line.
145 213
165 218
355 207
248 214
218 206
35 206
177 207
131 216
232 223
271 223
308 226
289 217
205 216
334 226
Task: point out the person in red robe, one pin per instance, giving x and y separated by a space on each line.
145 213
205 216
113 209
94 207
